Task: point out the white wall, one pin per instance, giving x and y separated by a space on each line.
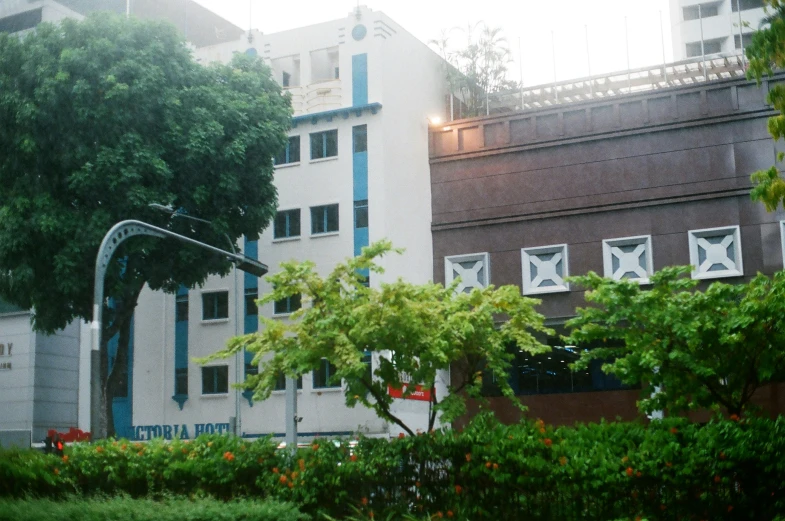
17 384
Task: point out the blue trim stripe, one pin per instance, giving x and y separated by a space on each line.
344 113
359 80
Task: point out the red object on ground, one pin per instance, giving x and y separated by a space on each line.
72 435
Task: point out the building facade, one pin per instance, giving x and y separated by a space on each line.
355 171
713 27
622 187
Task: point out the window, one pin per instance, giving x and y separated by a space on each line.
324 219
215 305
215 379
628 258
368 361
287 224
181 308
251 369
286 79
693 12
324 144
709 47
360 138
251 296
361 214
746 40
287 305
550 373
290 154
716 253
746 5
181 380
473 270
544 269
280 382
324 376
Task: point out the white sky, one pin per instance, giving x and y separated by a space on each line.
530 20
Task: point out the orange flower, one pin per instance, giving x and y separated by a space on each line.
547 442
668 464
717 479
563 461
630 472
364 501
370 514
353 457
275 470
458 489
722 455
282 479
401 435
57 472
228 456
99 449
449 513
184 451
469 457
315 446
300 462
123 446
487 464
65 459
290 484
417 484
294 475
140 453
638 474
734 417
674 430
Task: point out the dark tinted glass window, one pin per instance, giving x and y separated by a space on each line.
215 379
215 305
287 224
324 219
287 305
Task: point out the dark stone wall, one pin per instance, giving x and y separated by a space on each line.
660 163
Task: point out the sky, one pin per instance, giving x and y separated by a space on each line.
548 38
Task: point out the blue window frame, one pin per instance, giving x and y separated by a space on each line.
361 214
287 305
290 154
324 377
324 144
287 224
324 219
215 379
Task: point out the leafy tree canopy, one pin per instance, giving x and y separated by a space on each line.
104 116
695 349
766 54
477 67
419 330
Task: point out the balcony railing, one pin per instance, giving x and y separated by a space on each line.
316 97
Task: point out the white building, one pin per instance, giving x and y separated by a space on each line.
355 170
712 27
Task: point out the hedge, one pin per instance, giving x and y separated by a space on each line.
669 469
127 509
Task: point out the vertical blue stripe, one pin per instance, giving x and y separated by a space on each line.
251 249
360 184
359 79
180 335
251 322
360 175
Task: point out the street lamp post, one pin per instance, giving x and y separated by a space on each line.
111 241
238 366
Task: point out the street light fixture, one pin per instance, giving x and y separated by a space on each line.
111 241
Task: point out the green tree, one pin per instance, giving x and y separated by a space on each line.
478 68
417 329
692 349
766 54
98 119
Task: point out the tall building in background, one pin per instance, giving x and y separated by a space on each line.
712 27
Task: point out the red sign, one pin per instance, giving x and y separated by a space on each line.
418 394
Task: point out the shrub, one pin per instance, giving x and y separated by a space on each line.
668 469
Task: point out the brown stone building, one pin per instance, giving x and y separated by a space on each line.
621 186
